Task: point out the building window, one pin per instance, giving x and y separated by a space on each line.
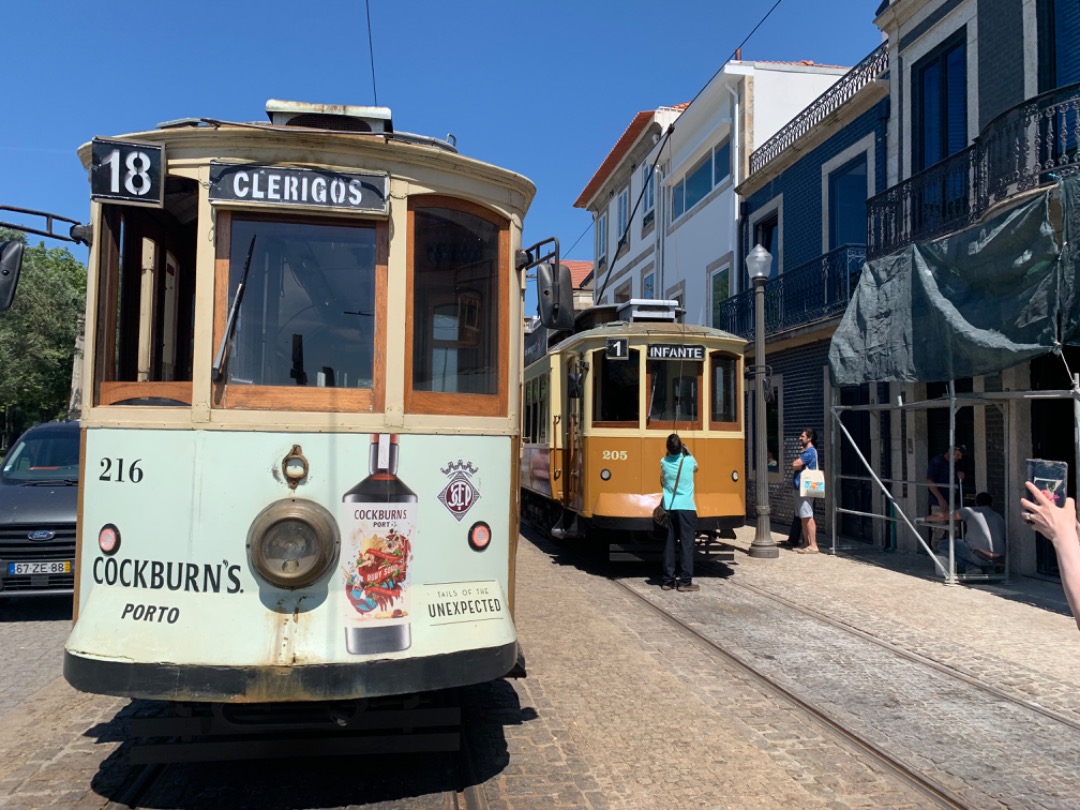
601 237
706 175
847 204
648 286
719 289
939 90
622 211
648 196
623 293
767 234
721 163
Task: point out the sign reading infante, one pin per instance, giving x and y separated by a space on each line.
298 187
665 351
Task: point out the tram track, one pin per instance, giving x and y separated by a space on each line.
929 788
945 669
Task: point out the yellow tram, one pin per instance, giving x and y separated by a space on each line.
599 401
300 427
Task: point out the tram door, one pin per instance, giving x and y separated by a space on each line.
573 458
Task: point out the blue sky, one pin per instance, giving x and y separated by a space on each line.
543 88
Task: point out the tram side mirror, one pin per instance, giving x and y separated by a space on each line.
555 294
11 254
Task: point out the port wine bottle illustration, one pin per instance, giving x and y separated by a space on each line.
378 524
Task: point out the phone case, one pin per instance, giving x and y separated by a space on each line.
1050 476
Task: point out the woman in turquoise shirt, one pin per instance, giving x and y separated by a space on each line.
677 470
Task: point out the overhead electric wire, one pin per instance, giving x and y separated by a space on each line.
670 129
371 51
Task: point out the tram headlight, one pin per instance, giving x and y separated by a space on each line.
605 474
293 543
734 475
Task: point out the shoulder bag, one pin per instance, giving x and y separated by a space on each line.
660 514
812 484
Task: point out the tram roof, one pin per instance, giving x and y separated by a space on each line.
647 330
215 137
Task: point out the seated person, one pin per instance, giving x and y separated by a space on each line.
983 543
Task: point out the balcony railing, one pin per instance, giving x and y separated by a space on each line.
872 66
811 292
1029 146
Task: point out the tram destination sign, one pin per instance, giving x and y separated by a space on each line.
295 187
666 351
128 173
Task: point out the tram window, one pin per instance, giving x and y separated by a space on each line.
308 315
674 392
146 302
543 408
615 389
458 260
725 389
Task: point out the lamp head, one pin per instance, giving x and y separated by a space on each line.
758 263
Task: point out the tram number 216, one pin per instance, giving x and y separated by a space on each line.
126 173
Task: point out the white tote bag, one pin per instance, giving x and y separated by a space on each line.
812 484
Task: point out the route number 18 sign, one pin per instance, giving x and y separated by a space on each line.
127 173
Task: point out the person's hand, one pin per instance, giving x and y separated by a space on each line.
1056 523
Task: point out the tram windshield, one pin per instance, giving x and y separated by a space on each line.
675 391
307 317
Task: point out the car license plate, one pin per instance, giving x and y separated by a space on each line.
59 567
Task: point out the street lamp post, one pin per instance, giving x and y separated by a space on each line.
758 264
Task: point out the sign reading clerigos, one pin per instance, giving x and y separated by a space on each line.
298 187
666 351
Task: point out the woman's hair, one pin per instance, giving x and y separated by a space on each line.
674 444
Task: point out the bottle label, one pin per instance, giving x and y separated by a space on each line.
376 550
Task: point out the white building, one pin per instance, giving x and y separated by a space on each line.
679 239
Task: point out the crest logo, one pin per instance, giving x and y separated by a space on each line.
459 494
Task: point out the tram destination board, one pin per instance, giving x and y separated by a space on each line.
298 187
665 351
127 172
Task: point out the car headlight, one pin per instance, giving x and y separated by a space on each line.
293 543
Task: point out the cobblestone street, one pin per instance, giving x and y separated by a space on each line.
620 711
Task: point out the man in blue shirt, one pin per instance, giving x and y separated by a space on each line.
804 508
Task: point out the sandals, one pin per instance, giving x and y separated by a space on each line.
806 550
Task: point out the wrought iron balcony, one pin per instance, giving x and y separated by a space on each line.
1026 147
811 292
872 66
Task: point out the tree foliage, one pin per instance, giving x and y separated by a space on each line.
37 336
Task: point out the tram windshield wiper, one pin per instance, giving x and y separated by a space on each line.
221 357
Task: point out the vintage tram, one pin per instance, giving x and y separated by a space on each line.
600 399
300 427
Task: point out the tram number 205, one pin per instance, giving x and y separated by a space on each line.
615 455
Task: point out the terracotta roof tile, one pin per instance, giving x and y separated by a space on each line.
618 152
579 271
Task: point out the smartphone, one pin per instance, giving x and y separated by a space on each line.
1049 476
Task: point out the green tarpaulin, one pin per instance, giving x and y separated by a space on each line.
993 295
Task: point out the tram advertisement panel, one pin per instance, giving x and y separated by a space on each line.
422 567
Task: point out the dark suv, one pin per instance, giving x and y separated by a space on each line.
39 488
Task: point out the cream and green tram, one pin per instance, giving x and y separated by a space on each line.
599 402
300 427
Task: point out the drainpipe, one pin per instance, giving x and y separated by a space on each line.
661 227
736 177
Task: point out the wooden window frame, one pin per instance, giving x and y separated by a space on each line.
448 402
119 235
739 391
302 398
677 424
596 359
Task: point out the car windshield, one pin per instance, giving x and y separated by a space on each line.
48 455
